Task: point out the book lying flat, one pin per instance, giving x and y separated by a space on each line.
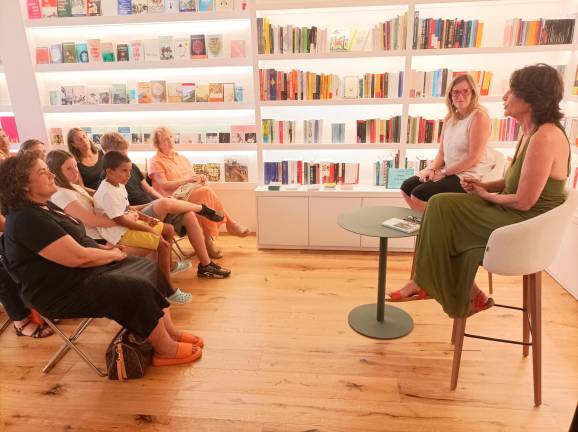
408 224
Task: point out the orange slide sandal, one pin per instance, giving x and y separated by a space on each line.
186 353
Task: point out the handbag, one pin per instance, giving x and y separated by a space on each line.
183 191
127 356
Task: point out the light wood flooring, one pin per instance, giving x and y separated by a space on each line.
280 357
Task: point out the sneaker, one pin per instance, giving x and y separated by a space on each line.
180 297
181 266
211 214
213 270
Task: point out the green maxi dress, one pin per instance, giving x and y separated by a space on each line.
456 228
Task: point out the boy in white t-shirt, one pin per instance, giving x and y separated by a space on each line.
134 228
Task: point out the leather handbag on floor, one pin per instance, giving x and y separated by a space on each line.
127 356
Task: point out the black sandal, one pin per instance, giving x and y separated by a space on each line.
41 330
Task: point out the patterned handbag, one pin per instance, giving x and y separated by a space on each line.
127 356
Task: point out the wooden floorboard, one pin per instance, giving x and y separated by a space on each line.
280 357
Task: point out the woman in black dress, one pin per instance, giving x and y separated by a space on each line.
65 274
88 156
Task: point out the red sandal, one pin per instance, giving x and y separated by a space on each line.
480 303
192 339
396 296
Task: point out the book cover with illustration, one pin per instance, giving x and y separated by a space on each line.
56 137
56 53
187 6
166 48
214 45
206 5
238 48
78 7
66 95
228 92
198 48
202 93
216 92
237 134
122 52
42 55
139 7
212 138
136 54
92 96
104 95
107 49
69 52
49 9
119 94
94 50
173 94
408 224
224 5
64 8
181 49
94 7
151 49
159 91
156 6
144 92
81 53
79 95
188 92
236 169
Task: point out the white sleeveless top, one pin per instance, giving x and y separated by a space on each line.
457 145
62 197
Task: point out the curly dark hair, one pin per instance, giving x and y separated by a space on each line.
14 174
542 87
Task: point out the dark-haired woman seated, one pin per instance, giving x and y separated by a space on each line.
456 227
65 274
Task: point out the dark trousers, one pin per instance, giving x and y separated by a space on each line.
424 191
10 297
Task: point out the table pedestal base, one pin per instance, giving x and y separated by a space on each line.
397 322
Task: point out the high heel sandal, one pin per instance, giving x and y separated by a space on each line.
40 331
480 303
396 296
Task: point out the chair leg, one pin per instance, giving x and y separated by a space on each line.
490 283
525 318
69 344
460 327
5 325
536 327
454 326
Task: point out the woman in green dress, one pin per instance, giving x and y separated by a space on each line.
456 227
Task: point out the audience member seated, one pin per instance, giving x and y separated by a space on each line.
134 229
88 156
25 321
181 214
456 227
65 274
172 174
462 150
4 145
35 146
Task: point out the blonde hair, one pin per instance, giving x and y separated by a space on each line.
113 141
158 135
453 113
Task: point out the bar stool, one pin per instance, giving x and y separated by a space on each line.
525 248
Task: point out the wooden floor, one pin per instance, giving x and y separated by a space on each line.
280 356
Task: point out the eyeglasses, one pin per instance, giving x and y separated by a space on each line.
464 92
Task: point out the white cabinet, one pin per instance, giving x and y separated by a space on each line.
282 221
323 228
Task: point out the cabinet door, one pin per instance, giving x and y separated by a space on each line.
404 244
323 228
282 221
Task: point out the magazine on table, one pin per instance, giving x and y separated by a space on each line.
408 224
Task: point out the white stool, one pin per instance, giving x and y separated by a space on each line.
525 248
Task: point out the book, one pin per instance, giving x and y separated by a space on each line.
139 7
49 8
238 48
81 53
228 92
198 138
151 49
92 96
214 45
8 124
212 138
132 94
350 87
171 6
34 11
66 95
237 134
78 95
63 8
187 92
94 8
69 52
158 91
224 137
181 49
136 51
223 5
173 94
198 49
56 53
202 93
396 176
56 137
78 7
42 55
119 94
216 92
104 95
408 224
144 92
107 49
166 48
236 169
187 6
124 7
213 172
122 52
206 5
156 6
94 50
339 40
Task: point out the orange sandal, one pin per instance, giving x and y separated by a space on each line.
186 353
396 296
480 303
192 339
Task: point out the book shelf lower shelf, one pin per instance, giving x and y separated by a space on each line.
113 108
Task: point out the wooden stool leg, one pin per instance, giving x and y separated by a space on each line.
460 326
525 318
536 307
454 326
490 283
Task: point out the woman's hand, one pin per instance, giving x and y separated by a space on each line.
118 255
473 186
198 178
426 174
438 175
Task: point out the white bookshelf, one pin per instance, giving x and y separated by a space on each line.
136 66
152 107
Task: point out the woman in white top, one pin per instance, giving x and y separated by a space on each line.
462 151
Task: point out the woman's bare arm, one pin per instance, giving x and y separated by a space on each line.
68 252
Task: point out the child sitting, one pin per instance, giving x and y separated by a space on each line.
134 229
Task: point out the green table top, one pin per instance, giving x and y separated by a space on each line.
367 221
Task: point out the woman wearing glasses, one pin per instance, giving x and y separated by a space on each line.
462 150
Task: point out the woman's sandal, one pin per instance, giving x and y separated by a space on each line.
186 353
40 331
192 339
480 303
396 296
